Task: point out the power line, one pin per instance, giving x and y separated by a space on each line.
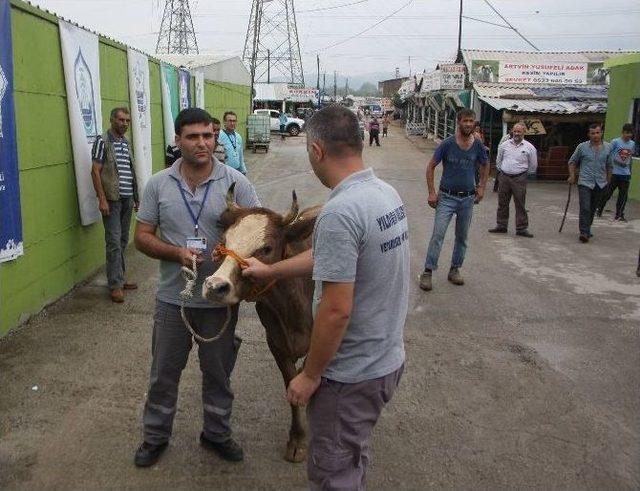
368 28
320 9
509 24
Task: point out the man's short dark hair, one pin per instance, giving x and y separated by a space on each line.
338 128
191 115
116 110
627 127
465 113
595 126
228 113
215 120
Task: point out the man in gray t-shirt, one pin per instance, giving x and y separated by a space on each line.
177 221
360 262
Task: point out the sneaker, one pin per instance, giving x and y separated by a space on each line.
117 295
524 233
620 219
148 454
584 238
425 281
228 449
498 230
455 277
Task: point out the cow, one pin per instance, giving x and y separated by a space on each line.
284 308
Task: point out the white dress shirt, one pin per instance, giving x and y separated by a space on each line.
517 158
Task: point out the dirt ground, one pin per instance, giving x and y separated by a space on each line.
526 377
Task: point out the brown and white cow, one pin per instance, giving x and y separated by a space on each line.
284 308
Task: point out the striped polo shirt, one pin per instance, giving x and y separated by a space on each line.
123 161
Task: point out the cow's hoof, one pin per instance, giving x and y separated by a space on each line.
296 452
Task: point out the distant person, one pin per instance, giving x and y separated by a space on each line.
283 124
219 151
621 152
507 136
593 159
374 131
517 158
385 125
459 154
232 142
479 134
114 180
171 154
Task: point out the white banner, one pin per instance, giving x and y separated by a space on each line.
80 58
302 94
167 115
199 76
452 76
140 97
543 73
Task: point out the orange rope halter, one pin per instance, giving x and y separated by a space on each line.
255 292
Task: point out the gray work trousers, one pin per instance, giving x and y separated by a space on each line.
116 237
341 417
171 345
515 186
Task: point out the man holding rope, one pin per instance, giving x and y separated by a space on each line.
184 203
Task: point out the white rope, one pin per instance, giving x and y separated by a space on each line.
190 276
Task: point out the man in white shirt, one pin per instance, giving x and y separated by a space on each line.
516 159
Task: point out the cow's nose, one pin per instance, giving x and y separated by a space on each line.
216 288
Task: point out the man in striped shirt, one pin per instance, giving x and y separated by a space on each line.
114 181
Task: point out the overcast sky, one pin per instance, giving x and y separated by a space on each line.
416 37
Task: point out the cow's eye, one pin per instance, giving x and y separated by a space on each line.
266 250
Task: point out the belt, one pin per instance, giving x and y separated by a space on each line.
458 194
515 175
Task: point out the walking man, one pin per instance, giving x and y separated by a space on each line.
360 262
593 159
622 150
517 158
232 142
459 154
114 181
184 203
374 131
282 119
385 125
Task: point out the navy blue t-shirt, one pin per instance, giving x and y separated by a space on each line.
459 166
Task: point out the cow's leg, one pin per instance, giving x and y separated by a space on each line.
296 446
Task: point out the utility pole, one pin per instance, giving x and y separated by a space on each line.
459 53
324 83
268 66
318 84
346 87
335 86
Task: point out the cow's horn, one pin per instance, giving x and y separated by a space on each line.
231 205
293 212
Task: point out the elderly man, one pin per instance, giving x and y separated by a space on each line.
360 264
517 158
114 180
593 158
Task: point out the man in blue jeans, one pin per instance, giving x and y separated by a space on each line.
459 155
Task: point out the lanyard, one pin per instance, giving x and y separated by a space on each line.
193 216
233 142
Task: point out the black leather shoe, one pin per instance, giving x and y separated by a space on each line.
498 230
584 238
148 454
524 233
228 450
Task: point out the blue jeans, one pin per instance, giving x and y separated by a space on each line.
116 236
447 206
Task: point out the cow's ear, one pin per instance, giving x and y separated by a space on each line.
301 228
228 218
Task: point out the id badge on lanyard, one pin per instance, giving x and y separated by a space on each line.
195 242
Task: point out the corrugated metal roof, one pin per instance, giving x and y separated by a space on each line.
542 106
539 56
193 60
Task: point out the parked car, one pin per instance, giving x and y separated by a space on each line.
294 125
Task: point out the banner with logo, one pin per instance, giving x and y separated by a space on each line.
184 79
199 76
10 219
170 108
81 62
140 97
452 76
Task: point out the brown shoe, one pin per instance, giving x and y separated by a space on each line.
455 277
117 295
130 286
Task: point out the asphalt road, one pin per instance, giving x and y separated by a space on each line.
525 377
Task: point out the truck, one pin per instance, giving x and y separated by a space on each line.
294 125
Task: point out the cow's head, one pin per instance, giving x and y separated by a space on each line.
252 232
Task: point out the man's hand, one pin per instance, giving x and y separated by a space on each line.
479 194
432 200
185 256
571 179
257 270
103 206
301 388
